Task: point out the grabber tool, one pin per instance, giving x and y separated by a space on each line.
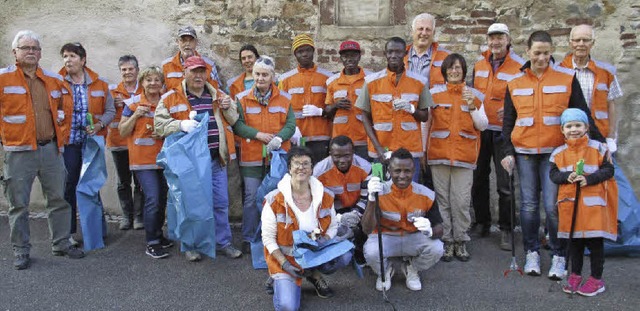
514 263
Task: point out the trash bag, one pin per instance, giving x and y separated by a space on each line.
278 168
93 176
628 241
308 253
186 162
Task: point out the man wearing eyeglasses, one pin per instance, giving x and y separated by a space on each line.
597 80
36 115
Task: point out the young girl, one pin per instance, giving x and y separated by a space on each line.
596 217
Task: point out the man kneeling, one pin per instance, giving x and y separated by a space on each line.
405 222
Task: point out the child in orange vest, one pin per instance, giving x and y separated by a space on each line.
596 217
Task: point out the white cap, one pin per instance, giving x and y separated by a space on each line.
498 28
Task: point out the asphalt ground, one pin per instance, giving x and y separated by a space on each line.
122 277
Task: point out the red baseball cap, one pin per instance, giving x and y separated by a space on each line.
349 46
194 62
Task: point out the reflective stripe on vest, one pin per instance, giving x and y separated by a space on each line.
15 119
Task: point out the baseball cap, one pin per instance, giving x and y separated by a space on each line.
349 46
187 31
498 28
194 62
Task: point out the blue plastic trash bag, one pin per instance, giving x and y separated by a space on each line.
307 258
278 168
186 162
628 242
93 176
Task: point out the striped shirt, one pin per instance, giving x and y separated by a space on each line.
203 104
79 117
420 64
586 78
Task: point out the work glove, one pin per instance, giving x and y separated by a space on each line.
297 135
350 219
343 233
274 144
424 225
374 186
60 116
402 104
192 114
508 163
291 269
387 155
188 125
311 111
612 145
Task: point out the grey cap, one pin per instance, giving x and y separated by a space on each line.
498 28
187 31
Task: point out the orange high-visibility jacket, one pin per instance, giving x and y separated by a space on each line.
143 149
604 75
174 71
116 142
453 139
236 85
266 119
438 55
598 204
347 187
539 104
395 129
18 125
287 224
494 84
400 206
98 90
347 122
308 87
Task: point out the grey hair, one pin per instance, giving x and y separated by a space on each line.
593 32
128 59
24 34
421 17
265 62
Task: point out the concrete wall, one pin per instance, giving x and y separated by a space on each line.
146 28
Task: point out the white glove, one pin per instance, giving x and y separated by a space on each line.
374 186
192 114
401 104
188 125
387 155
350 219
274 144
424 225
311 111
60 116
295 139
612 145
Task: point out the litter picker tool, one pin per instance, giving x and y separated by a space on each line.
514 264
377 170
576 203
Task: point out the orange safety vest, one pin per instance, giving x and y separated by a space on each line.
18 125
143 149
347 122
399 206
266 119
308 87
236 85
539 104
395 129
116 142
598 206
453 140
179 107
438 55
174 71
604 75
287 224
97 92
347 186
494 84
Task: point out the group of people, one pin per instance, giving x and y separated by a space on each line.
434 129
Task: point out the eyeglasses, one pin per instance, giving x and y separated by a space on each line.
583 40
296 164
29 48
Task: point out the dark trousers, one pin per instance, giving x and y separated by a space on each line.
319 150
132 206
596 247
490 147
73 163
154 187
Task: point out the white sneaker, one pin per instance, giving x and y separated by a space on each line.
387 280
193 256
532 264
413 278
557 270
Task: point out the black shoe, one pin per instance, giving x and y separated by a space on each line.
268 286
322 288
166 243
246 247
156 251
485 231
71 252
21 261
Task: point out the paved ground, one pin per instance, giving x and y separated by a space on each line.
122 277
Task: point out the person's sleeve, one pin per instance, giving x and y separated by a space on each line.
333 226
362 101
425 101
577 101
556 176
163 123
269 228
126 112
215 77
605 172
240 128
109 110
364 195
509 121
289 127
479 117
433 214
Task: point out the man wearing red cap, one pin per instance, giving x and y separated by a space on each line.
174 113
342 90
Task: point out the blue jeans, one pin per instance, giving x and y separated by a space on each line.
533 170
220 204
155 188
250 213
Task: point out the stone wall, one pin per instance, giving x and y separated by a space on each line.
111 28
